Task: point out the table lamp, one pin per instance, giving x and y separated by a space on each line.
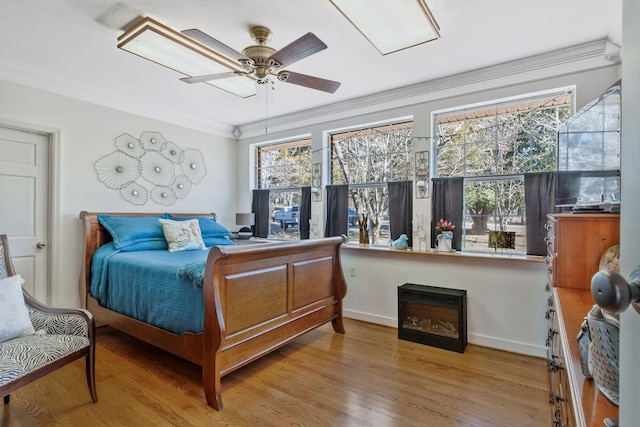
246 220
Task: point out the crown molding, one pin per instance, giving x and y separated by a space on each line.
38 78
576 58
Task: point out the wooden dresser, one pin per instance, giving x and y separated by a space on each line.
575 244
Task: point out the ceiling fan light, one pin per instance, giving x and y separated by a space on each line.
243 87
391 25
158 43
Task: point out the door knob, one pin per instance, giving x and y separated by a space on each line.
40 245
613 293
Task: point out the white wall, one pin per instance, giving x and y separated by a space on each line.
87 133
505 297
506 300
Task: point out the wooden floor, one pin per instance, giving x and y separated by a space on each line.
364 378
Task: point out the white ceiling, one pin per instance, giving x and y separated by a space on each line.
61 46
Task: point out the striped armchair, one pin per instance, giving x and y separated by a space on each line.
61 336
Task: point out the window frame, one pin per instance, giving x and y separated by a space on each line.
295 142
381 222
567 100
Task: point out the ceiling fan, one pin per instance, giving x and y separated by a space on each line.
262 62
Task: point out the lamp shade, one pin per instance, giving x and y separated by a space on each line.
245 218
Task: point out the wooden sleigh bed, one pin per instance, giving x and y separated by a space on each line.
256 299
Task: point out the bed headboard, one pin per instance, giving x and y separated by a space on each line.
95 235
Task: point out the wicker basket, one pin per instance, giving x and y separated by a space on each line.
604 347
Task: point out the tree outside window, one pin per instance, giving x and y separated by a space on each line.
366 159
492 147
284 168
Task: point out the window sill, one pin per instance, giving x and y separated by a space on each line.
410 252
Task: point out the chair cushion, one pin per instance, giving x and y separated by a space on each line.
23 355
58 323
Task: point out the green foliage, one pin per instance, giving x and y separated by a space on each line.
499 147
285 165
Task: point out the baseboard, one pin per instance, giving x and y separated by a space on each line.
476 339
371 318
508 345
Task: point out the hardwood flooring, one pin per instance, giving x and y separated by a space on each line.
367 377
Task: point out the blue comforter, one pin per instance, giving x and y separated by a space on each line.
145 285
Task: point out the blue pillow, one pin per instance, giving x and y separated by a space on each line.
209 227
145 232
217 241
149 245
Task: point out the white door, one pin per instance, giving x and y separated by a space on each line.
24 195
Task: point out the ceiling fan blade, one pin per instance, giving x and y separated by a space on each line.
214 44
298 49
309 81
208 77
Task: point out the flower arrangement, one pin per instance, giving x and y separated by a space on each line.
443 225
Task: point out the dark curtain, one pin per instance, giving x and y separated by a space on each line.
539 200
337 210
260 207
401 209
305 212
447 203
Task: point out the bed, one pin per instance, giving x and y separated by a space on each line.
255 298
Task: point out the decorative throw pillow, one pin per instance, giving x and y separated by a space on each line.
209 227
14 316
182 235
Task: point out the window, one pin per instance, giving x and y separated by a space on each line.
284 164
284 168
492 147
366 159
589 142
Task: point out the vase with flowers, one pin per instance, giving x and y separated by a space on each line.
444 236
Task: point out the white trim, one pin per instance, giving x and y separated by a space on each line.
371 318
559 62
507 345
510 100
475 339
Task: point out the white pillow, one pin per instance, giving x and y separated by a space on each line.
14 316
182 235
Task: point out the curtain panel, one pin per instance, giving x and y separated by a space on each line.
401 209
337 210
540 190
447 203
305 213
260 207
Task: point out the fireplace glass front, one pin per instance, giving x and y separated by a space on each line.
433 316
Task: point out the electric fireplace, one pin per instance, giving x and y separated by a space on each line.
433 316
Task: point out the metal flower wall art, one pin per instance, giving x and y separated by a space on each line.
151 167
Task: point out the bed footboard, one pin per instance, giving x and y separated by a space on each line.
260 297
